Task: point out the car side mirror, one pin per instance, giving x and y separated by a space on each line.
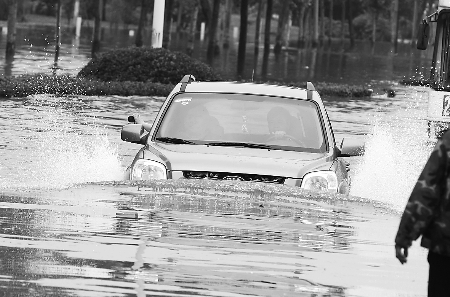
351 148
422 35
134 133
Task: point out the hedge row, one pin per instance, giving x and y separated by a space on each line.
24 85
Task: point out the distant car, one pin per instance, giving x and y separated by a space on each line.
241 131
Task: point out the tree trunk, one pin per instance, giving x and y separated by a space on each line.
322 20
316 23
205 6
227 24
350 24
104 10
142 21
374 27
330 29
192 30
394 25
343 22
414 24
242 38
57 36
20 11
301 28
288 28
168 20
212 33
308 26
279 40
267 39
179 15
97 29
76 12
257 33
11 35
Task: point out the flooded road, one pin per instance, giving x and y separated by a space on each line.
192 238
70 227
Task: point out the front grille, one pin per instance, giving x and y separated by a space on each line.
233 176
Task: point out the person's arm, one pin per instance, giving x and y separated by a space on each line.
424 198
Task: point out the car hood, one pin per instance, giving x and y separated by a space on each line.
238 160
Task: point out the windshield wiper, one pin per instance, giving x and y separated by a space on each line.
174 140
240 144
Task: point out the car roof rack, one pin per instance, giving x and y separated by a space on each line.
309 90
188 78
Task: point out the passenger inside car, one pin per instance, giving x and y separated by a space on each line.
198 124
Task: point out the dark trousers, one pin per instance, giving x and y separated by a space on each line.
439 277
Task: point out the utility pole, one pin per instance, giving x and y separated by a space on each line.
158 23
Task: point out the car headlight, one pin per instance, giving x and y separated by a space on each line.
320 181
147 169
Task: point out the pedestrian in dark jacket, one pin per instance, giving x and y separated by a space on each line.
427 213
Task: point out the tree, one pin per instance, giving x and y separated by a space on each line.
322 20
414 24
227 23
394 24
375 8
97 28
282 21
242 38
167 37
57 36
302 10
351 34
142 21
11 35
212 32
330 18
206 9
343 22
316 23
301 29
257 32
192 28
267 39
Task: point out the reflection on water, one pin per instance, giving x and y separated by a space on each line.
192 238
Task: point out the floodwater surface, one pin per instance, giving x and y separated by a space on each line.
71 227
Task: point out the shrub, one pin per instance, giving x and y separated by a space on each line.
333 89
24 85
141 64
415 82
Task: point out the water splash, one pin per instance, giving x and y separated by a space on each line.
60 148
396 151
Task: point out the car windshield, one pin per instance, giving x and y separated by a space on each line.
243 120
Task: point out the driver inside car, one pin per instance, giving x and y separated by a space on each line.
282 126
